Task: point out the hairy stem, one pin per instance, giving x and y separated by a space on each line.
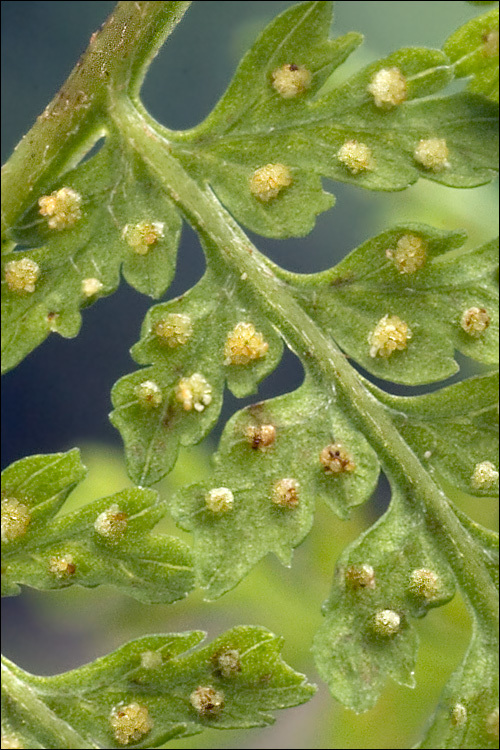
29 709
116 60
323 358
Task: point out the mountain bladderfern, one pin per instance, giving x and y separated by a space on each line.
396 309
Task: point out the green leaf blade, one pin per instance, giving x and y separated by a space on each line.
213 309
431 299
156 673
393 572
473 48
81 262
253 126
453 430
41 484
408 562
266 448
298 36
108 541
467 715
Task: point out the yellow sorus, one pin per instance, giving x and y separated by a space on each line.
62 566
360 577
424 583
490 43
194 392
484 476
244 344
16 517
112 523
142 236
228 662
149 394
335 459
386 623
291 80
492 723
219 500
390 334
458 715
174 330
21 275
388 88
475 321
357 157
261 436
433 154
207 701
62 207
410 254
91 286
130 723
267 182
286 493
151 660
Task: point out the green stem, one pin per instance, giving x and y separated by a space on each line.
322 355
26 708
115 61
107 79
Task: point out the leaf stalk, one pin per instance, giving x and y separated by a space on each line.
228 244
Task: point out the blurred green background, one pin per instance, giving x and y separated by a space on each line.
59 397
